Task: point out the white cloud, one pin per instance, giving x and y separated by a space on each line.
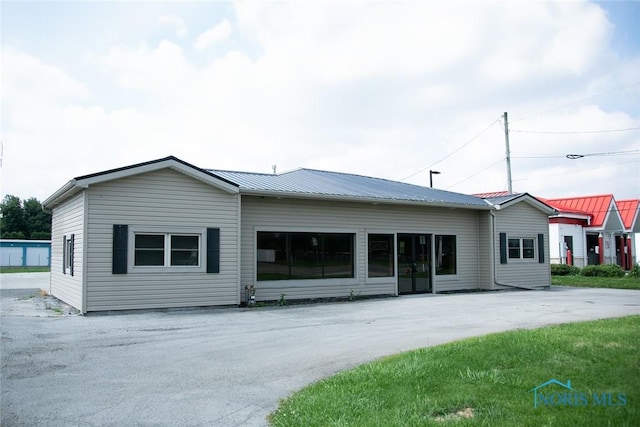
176 22
24 75
161 71
218 33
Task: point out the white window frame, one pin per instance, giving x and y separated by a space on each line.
521 249
167 232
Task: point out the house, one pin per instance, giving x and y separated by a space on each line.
166 233
592 230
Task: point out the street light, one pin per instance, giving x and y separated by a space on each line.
431 173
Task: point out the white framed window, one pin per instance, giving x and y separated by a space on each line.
68 244
522 248
154 250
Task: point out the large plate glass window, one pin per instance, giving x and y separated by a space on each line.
303 255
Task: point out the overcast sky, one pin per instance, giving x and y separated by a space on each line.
379 88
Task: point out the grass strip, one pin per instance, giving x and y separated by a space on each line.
487 381
25 270
597 282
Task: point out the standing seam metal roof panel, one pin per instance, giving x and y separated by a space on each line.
314 182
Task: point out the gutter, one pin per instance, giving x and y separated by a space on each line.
51 200
354 199
493 260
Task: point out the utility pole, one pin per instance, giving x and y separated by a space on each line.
506 141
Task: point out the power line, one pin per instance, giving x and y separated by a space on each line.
453 152
578 101
610 153
575 156
574 132
477 173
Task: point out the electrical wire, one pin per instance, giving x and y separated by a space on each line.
477 173
573 132
453 152
580 101
574 156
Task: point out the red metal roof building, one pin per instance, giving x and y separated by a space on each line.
594 229
605 226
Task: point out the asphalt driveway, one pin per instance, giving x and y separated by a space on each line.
229 366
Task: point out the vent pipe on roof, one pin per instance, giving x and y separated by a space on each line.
274 168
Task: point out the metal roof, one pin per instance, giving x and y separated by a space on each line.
598 207
629 211
323 184
499 198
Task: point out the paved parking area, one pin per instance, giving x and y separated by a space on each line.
229 366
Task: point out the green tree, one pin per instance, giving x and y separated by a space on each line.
24 220
13 220
38 221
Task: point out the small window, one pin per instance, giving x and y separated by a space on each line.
522 248
149 250
446 259
67 256
381 255
184 250
528 250
514 248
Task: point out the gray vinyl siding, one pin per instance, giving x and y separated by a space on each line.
272 214
68 219
485 246
167 199
518 221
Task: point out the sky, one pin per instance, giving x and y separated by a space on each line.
390 89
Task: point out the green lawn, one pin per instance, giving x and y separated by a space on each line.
597 282
487 381
25 269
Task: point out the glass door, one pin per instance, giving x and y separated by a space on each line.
414 263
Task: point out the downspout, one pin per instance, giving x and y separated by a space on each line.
493 257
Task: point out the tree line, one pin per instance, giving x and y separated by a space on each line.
24 219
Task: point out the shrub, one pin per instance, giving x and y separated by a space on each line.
564 270
605 270
635 272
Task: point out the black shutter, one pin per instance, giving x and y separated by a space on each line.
213 250
120 246
71 253
64 254
503 248
541 248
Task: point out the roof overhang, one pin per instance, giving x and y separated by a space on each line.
78 184
525 198
370 200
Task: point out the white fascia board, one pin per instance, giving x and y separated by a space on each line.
172 164
64 192
531 201
369 200
571 215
